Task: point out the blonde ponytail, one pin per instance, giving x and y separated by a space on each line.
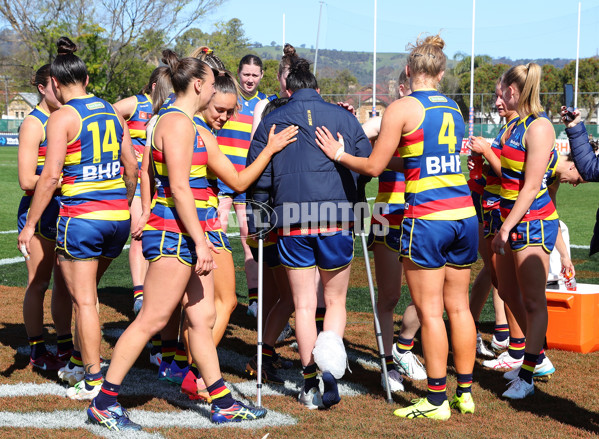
527 78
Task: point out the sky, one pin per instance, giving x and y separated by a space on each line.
516 29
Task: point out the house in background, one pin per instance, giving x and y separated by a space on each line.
21 105
362 100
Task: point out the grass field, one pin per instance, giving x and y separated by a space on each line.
32 402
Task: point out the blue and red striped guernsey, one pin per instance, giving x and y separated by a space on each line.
513 164
235 136
92 185
39 114
389 203
164 215
138 120
551 174
436 188
212 189
137 124
493 187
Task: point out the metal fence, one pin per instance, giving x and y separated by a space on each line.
484 105
10 125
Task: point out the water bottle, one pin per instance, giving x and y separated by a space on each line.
477 172
570 281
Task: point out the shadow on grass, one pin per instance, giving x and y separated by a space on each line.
14 336
119 299
541 403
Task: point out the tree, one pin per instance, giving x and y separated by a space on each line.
122 32
273 43
588 77
551 82
270 84
338 85
190 40
230 43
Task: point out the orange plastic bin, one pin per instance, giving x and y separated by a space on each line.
573 318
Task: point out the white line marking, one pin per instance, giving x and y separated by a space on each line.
196 419
9 261
8 232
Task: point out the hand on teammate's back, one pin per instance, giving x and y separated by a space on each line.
280 140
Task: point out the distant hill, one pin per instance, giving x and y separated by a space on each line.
360 63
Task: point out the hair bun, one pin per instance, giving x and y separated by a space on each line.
66 46
434 40
289 51
300 65
171 59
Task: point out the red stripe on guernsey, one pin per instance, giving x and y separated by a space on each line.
514 154
392 186
412 174
139 148
93 206
535 214
41 152
74 147
475 186
199 157
440 388
198 193
137 125
176 225
438 206
410 139
392 219
512 184
109 392
68 180
233 141
243 118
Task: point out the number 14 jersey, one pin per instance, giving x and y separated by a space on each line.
92 185
436 188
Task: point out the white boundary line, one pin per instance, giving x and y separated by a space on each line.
8 232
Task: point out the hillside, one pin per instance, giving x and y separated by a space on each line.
360 63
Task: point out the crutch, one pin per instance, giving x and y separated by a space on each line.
260 228
377 325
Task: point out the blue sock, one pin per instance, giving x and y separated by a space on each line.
528 367
436 394
502 332
464 384
107 396
404 344
310 377
38 346
92 380
221 396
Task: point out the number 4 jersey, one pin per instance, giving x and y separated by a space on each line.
92 186
436 188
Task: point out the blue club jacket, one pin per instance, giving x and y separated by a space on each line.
585 159
587 164
304 186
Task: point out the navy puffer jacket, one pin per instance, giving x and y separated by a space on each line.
304 186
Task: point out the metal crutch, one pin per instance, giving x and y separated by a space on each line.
377 325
